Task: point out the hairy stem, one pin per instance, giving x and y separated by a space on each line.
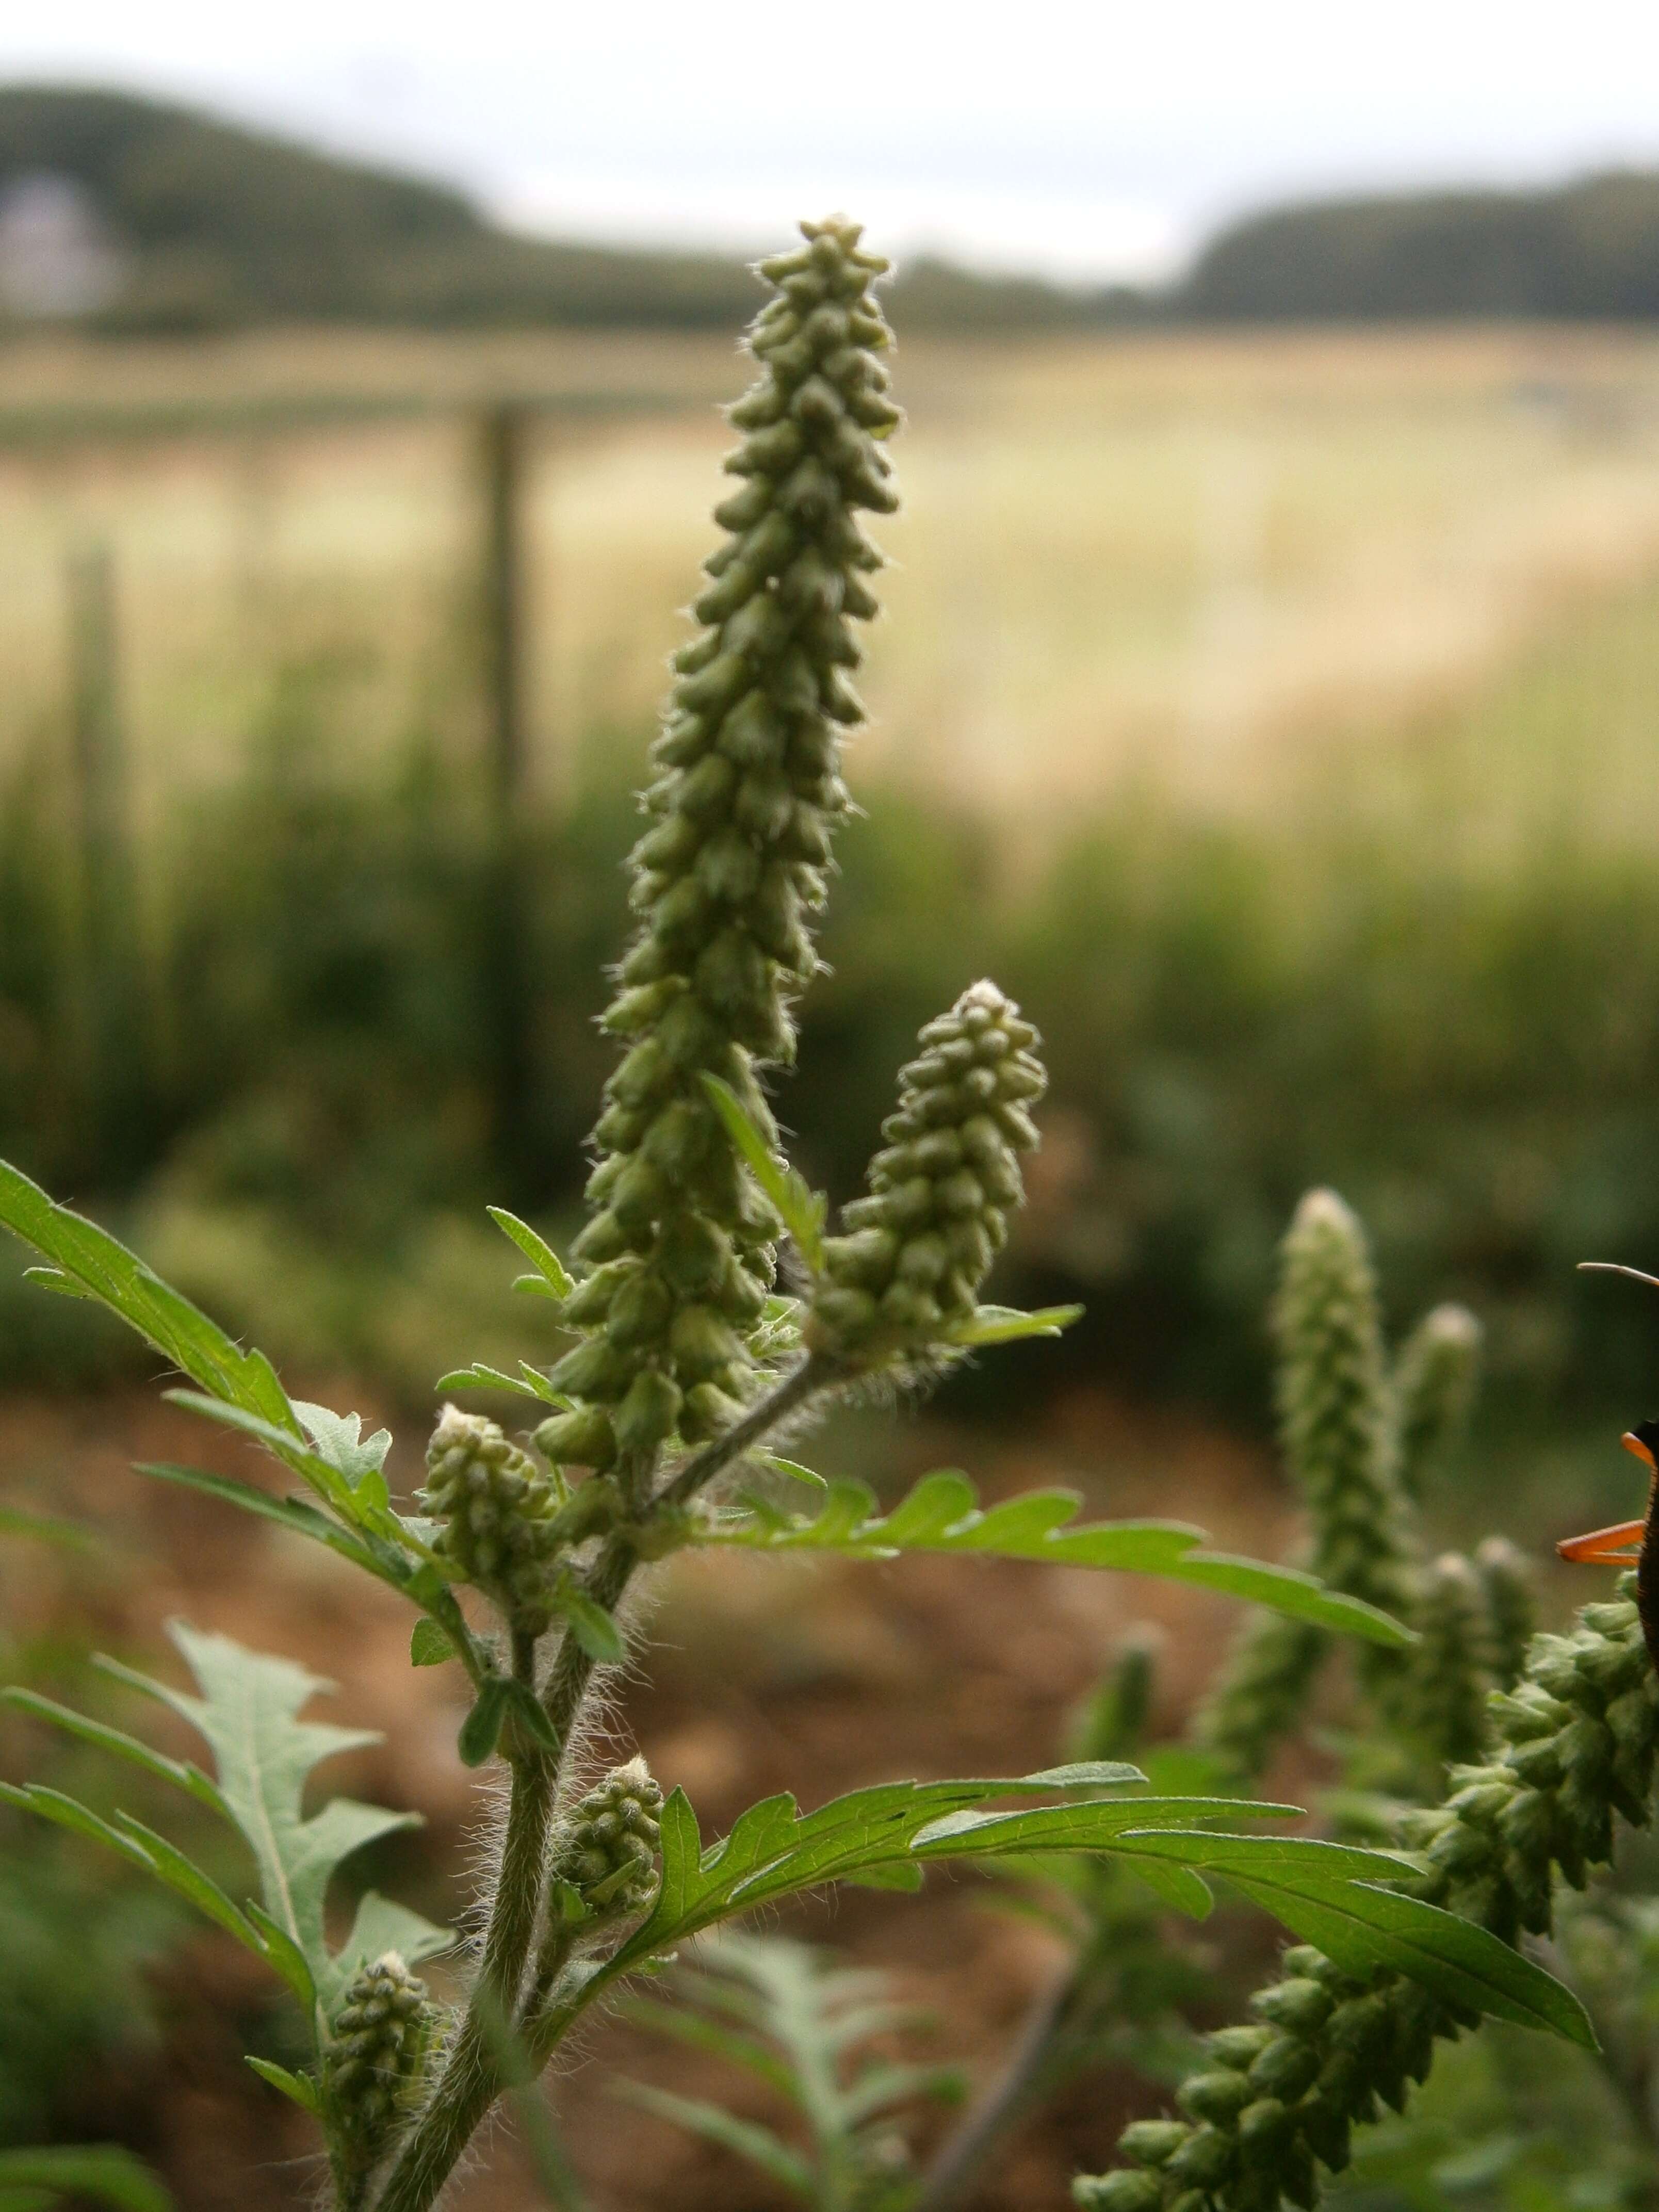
471 2078
474 2075
571 1671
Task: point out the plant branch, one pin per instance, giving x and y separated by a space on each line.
815 1373
473 2075
470 2079
959 2165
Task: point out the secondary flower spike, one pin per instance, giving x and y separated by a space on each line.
608 1854
495 1505
378 2045
680 1247
940 1192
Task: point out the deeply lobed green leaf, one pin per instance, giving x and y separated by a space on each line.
1340 1896
942 1513
248 1709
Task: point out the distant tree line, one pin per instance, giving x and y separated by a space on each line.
1588 251
206 226
199 225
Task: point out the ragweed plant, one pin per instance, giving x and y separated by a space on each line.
692 1357
1529 1750
1359 1433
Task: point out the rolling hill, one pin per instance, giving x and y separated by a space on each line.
131 214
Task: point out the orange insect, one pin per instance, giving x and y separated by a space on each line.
1630 1543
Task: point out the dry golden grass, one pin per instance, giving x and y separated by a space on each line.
1165 554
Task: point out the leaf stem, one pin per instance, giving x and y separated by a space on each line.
958 2168
815 1373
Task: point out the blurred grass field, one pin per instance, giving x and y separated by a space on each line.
1148 556
1277 714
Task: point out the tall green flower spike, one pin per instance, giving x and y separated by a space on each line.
1333 1403
1337 1432
1574 1745
680 1249
921 1243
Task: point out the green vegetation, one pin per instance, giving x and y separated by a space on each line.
1504 1766
692 1358
1536 1745
801 2026
1235 1011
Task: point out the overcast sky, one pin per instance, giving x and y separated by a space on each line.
1088 140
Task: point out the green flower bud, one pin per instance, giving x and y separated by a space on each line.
1151 2142
919 1246
1263 2130
707 1412
495 1505
582 1438
645 1416
1285 2069
1214 2096
639 1311
1238 2047
599 1370
703 1344
1205 2160
589 1302
607 1849
1125 2191
374 2058
1300 2005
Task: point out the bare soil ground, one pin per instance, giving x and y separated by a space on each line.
751 1677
